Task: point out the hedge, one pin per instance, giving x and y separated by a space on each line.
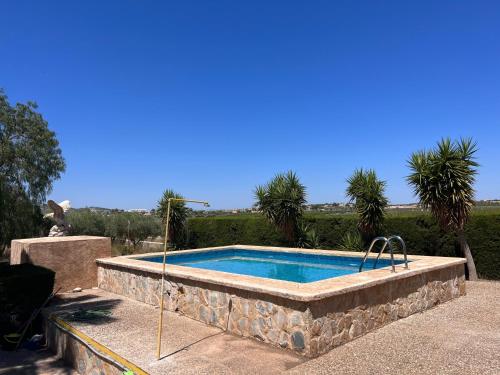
421 234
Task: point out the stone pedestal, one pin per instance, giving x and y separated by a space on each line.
72 258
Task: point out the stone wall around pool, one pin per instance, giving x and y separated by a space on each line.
310 328
77 354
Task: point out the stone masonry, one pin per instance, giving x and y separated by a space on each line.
309 328
75 353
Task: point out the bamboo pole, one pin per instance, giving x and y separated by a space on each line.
160 321
162 284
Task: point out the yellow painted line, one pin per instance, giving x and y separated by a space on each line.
99 347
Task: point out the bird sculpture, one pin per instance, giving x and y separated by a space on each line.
61 228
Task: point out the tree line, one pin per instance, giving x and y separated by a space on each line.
126 228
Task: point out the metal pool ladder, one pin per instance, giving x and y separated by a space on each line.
387 241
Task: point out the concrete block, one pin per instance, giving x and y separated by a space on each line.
72 258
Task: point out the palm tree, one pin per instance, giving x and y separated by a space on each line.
282 201
178 215
443 179
367 193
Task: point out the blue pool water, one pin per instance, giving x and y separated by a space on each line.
297 267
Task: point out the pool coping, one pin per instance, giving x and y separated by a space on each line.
303 292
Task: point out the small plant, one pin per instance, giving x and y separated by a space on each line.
351 241
307 237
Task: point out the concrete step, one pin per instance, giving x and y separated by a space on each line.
33 362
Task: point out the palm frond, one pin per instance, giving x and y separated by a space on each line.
282 201
178 214
443 179
367 193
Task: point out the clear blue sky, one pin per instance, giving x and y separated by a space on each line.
211 98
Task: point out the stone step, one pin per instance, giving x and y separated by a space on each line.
33 362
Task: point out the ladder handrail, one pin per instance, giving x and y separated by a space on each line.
391 238
403 245
375 240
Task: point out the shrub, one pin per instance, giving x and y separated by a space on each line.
351 241
219 231
420 232
307 237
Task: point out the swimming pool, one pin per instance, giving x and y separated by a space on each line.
308 301
278 265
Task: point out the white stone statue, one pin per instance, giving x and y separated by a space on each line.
61 228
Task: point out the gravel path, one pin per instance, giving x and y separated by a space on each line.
458 337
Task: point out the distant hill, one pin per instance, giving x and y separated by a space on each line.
332 207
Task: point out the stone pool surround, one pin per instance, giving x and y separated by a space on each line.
308 318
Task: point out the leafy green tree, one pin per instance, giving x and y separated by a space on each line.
282 202
140 227
178 216
86 222
443 180
30 161
19 217
120 226
370 202
116 226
